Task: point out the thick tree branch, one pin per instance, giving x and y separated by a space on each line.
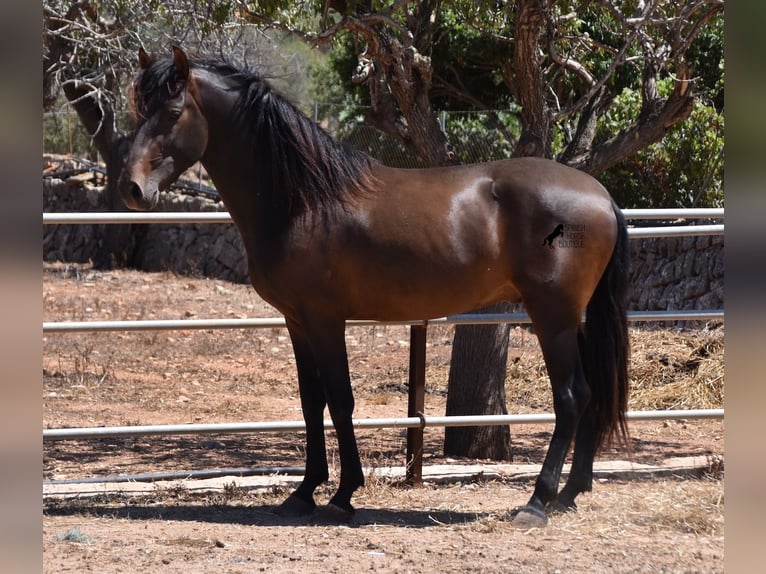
655 120
617 61
399 75
582 140
567 63
96 114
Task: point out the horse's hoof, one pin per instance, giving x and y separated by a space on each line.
333 513
295 506
528 517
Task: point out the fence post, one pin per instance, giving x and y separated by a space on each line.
416 404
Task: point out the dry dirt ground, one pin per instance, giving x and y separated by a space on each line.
631 522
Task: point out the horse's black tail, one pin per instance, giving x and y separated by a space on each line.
604 344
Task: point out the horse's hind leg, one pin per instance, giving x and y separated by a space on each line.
581 475
570 397
301 502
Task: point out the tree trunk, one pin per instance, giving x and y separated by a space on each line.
117 244
476 386
97 114
113 146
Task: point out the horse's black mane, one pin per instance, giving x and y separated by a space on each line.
297 162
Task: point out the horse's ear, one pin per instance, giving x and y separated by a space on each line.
143 58
181 62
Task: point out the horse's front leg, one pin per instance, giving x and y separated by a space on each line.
301 502
329 346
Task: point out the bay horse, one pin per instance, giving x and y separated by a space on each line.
332 235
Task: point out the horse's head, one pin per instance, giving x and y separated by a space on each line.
171 132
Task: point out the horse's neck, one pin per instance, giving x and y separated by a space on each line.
226 158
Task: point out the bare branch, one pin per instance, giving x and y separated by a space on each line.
682 44
594 89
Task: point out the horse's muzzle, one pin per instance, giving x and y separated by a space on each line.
135 198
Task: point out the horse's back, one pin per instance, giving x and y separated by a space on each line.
438 241
516 202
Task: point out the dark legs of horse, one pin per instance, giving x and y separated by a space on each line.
323 379
581 475
301 502
333 366
571 395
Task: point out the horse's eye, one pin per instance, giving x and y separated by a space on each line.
174 114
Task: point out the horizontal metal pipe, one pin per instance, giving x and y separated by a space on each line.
680 213
182 475
635 316
678 231
98 217
376 423
223 217
278 322
214 428
690 315
108 217
162 324
492 420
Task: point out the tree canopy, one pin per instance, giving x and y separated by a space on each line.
593 84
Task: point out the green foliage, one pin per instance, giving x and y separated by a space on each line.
482 136
63 133
331 78
706 58
685 169
468 58
593 37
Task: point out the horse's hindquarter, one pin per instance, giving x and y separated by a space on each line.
563 228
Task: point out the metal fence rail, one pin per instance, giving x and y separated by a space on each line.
279 322
224 217
395 423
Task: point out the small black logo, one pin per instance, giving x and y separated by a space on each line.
558 232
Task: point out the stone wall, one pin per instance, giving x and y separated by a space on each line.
680 273
210 249
667 273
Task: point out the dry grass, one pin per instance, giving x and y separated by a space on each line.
677 369
648 507
669 369
617 511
